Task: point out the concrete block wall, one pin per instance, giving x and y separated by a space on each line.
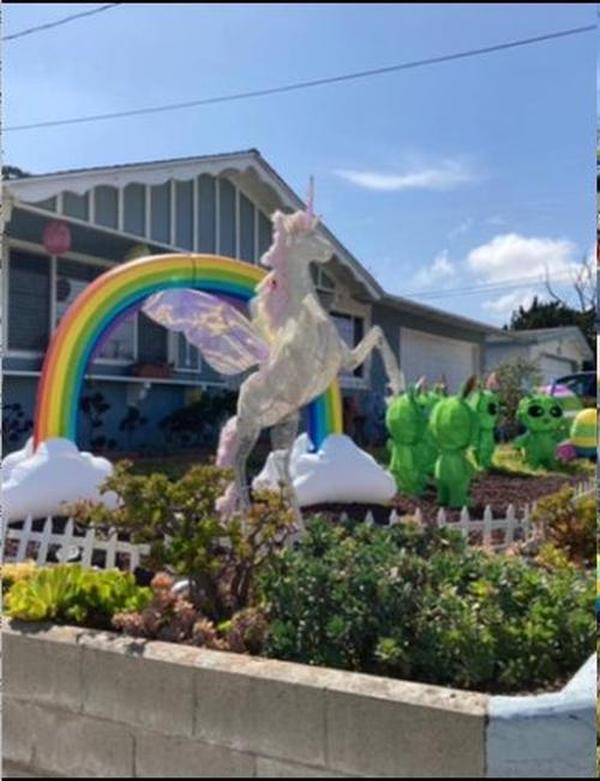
81 703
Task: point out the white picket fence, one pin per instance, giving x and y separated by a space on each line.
39 545
496 533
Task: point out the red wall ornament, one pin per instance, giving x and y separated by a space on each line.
57 237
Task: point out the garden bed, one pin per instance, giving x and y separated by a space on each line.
83 703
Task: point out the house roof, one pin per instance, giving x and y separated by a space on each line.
541 335
39 187
34 188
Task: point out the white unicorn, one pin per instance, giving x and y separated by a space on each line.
290 337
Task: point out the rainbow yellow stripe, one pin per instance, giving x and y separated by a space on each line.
111 294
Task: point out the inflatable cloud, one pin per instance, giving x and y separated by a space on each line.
338 472
40 483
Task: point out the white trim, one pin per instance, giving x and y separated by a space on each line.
37 248
120 211
126 379
59 205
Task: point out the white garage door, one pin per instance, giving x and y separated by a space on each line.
553 367
434 357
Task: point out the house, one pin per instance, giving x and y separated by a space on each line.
212 204
558 351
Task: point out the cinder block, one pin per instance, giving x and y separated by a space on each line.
158 756
17 732
71 745
274 768
122 685
261 706
43 667
382 728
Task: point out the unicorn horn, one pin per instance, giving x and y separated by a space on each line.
310 199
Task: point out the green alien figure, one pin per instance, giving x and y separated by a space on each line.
542 416
486 405
454 425
406 425
426 448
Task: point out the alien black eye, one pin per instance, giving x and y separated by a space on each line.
492 408
556 412
535 411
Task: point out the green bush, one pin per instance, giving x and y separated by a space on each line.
419 604
70 593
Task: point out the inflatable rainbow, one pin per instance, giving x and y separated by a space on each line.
113 293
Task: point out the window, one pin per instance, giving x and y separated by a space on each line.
187 356
28 301
72 277
153 344
351 330
324 285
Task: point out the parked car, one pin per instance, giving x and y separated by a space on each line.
583 385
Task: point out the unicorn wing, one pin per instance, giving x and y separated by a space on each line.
226 339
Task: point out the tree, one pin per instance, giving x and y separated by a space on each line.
13 172
513 379
551 314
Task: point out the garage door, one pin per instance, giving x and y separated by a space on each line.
434 357
552 367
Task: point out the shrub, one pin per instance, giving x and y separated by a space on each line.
187 536
69 593
418 603
14 572
198 424
569 524
172 618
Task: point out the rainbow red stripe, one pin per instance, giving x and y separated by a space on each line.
116 291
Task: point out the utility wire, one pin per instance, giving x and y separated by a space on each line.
307 84
58 22
491 288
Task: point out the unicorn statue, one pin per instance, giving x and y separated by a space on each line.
289 339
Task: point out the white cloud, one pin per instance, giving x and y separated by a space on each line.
511 256
464 227
505 305
446 175
442 267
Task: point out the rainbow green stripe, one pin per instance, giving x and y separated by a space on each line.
111 294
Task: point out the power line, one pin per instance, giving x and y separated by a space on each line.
59 22
307 84
490 288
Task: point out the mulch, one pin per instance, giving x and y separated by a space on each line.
498 490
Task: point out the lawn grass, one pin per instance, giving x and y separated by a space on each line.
509 461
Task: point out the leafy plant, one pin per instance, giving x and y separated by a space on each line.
94 406
14 572
172 618
569 524
15 426
187 536
69 593
198 424
419 604
131 422
514 378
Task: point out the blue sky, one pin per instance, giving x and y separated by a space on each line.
450 177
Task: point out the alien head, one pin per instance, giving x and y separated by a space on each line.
540 413
405 419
